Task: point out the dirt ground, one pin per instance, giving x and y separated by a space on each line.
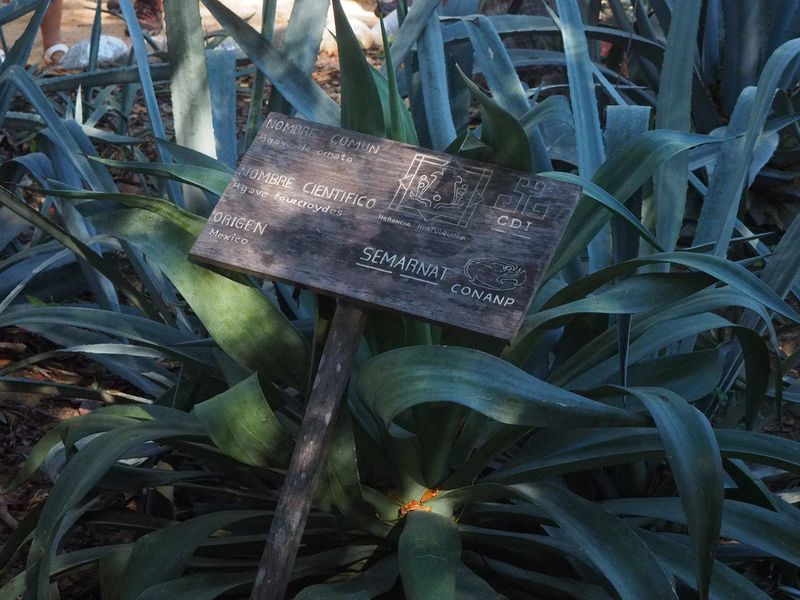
78 15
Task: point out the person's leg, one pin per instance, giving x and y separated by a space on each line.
51 32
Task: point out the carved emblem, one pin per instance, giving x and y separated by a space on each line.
497 274
440 190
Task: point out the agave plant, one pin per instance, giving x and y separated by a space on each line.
578 462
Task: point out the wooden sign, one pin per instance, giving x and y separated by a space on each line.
375 222
431 235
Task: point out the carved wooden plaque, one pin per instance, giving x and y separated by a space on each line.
446 239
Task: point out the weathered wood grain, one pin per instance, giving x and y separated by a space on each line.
446 239
309 453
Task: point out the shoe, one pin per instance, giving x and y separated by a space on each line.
54 54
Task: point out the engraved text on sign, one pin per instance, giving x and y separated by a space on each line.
436 236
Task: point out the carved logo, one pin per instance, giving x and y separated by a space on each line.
523 200
440 190
497 274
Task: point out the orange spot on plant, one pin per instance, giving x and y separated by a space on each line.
429 494
418 504
412 506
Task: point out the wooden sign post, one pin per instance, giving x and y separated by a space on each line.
377 224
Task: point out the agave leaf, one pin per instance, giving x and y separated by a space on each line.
418 17
241 424
770 79
764 529
60 390
378 579
783 267
76 480
246 332
605 345
110 569
551 109
62 137
668 332
94 40
501 132
398 380
361 102
504 82
721 200
199 586
591 190
640 294
331 560
695 462
621 175
725 584
135 364
301 42
148 90
591 153
544 26
673 111
100 286
189 222
223 86
48 262
12 12
187 156
537 583
526 545
471 587
609 543
21 50
288 78
399 123
340 487
123 325
494 60
189 78
624 123
558 452
18 540
214 181
433 82
429 554
692 375
162 555
63 563
751 489
77 247
725 271
745 27
268 14
140 52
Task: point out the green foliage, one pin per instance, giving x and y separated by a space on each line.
580 461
